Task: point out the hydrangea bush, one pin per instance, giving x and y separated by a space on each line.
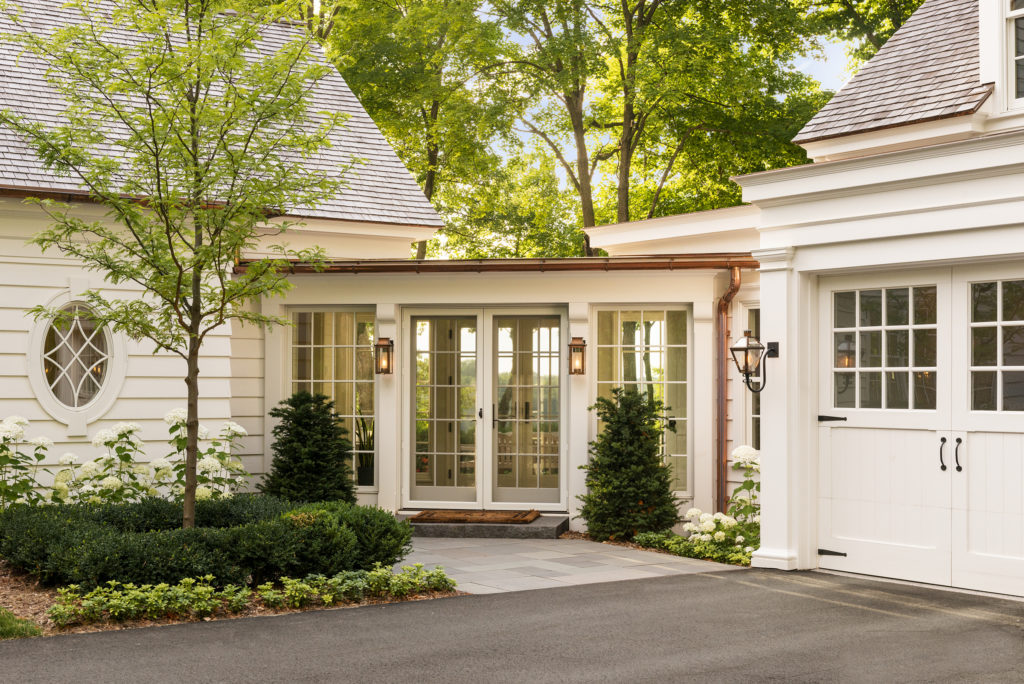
122 473
726 537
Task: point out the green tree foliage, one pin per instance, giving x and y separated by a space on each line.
426 71
213 133
312 452
629 487
864 24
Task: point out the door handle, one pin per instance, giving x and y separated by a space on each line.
480 413
942 445
494 417
956 455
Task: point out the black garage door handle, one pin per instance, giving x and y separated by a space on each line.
942 445
956 455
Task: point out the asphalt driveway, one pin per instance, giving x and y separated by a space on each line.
708 627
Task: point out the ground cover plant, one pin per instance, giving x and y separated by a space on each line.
312 452
12 627
196 598
724 537
629 487
243 540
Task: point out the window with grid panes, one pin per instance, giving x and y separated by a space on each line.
884 348
332 354
1016 30
646 349
997 346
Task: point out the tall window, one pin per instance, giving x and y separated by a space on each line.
754 326
1017 46
75 357
884 348
646 350
332 354
997 346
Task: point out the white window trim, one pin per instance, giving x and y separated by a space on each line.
78 419
1010 58
287 380
686 495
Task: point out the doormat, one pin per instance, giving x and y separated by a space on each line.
484 517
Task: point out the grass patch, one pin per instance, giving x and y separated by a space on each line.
13 627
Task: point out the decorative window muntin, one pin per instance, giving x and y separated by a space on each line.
1016 31
332 354
76 357
646 348
884 347
997 345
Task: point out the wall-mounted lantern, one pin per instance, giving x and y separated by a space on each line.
384 356
577 356
748 353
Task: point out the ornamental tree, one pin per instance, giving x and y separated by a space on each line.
629 486
193 133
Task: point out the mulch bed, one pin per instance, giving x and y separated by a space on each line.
481 517
27 599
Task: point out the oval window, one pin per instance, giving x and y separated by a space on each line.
75 356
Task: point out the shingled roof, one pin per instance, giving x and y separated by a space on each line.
380 189
928 70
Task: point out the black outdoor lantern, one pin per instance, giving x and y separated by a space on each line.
384 356
577 356
748 353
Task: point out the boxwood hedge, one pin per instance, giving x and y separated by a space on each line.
241 540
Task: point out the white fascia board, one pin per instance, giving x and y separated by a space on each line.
360 228
897 138
701 223
909 168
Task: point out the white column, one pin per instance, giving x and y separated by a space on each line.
787 497
388 412
702 408
275 356
576 421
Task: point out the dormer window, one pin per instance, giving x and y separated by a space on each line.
1016 17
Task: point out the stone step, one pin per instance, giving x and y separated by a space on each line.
545 527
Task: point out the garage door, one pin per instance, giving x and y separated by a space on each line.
921 427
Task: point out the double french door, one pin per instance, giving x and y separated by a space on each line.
485 401
921 432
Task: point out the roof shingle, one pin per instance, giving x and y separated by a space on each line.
928 70
379 187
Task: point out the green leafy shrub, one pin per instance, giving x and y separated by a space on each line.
629 487
312 452
261 540
197 598
13 627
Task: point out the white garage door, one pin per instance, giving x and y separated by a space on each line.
921 437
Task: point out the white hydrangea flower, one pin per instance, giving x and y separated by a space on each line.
178 489
689 527
125 429
705 537
88 488
63 477
693 513
233 429
95 499
160 463
16 420
704 517
729 522
44 442
89 469
755 518
140 469
740 539
60 490
152 491
110 482
708 526
68 458
719 536
719 515
208 464
749 549
176 416
11 432
103 437
163 474
203 493
204 432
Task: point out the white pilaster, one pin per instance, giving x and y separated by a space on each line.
702 415
577 419
388 411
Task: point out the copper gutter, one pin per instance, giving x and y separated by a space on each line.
730 260
722 390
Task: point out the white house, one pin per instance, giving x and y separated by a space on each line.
892 279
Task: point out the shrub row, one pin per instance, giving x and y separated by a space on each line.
199 598
243 540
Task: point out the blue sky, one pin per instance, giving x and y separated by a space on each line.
829 68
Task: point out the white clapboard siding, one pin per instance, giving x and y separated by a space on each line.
247 392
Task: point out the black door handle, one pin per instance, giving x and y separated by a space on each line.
480 413
942 445
956 455
494 417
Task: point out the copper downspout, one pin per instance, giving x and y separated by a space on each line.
722 391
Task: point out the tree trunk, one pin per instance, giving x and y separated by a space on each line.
625 158
192 435
430 182
575 108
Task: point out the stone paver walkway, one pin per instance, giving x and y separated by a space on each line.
489 566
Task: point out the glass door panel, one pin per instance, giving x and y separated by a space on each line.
526 352
444 464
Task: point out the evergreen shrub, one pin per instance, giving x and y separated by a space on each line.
312 452
629 487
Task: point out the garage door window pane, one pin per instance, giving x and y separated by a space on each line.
1013 300
983 346
924 348
870 308
1013 391
997 346
924 390
871 390
925 305
983 391
984 302
1013 345
846 390
896 391
897 348
870 349
897 307
846 309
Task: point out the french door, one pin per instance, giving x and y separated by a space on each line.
921 418
486 402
